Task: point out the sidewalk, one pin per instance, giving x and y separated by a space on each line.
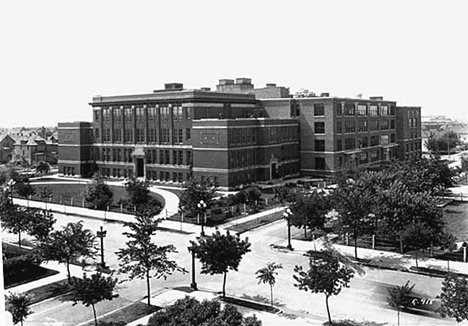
383 259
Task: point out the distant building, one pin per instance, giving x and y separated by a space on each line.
235 135
6 148
409 137
33 149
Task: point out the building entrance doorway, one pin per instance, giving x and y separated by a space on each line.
140 168
273 171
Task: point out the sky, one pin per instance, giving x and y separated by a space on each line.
57 55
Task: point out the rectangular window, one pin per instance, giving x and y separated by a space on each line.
167 156
152 113
128 114
362 126
117 115
319 127
188 134
392 138
106 115
140 113
187 113
339 109
373 109
384 125
152 135
374 141
320 145
140 135
374 125
392 124
96 133
350 143
319 110
161 156
178 113
174 157
362 142
165 114
350 126
362 109
383 139
180 157
189 158
339 127
339 145
96 115
350 109
384 110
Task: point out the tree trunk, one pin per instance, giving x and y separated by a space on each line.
398 317
328 310
355 244
448 265
417 259
19 239
68 270
148 286
224 285
271 294
401 246
95 318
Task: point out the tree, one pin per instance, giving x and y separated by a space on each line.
18 306
268 275
220 253
325 275
24 188
447 241
191 312
445 143
91 290
194 193
417 235
454 298
98 193
71 242
141 257
15 219
138 194
309 211
400 298
41 223
464 164
43 168
354 202
44 194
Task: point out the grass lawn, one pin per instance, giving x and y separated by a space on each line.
32 274
49 291
456 216
255 223
126 315
62 193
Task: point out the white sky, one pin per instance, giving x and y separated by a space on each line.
56 55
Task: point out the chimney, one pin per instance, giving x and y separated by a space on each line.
376 98
325 95
205 89
243 81
270 85
223 82
173 86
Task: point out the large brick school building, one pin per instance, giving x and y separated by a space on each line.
235 135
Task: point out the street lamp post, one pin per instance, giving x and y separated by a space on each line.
202 209
287 215
11 183
193 285
101 234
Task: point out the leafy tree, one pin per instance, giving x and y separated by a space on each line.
98 193
454 298
194 193
15 219
418 235
43 168
325 275
138 194
284 194
91 290
400 298
220 253
354 203
445 143
447 241
18 306
309 211
24 188
44 194
268 275
191 312
399 208
464 164
141 257
71 242
41 223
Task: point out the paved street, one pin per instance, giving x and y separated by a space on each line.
365 299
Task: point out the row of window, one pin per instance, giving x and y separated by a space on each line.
351 109
161 156
242 158
143 113
140 137
362 126
353 142
239 136
277 134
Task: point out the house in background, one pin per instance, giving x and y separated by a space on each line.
6 148
33 149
